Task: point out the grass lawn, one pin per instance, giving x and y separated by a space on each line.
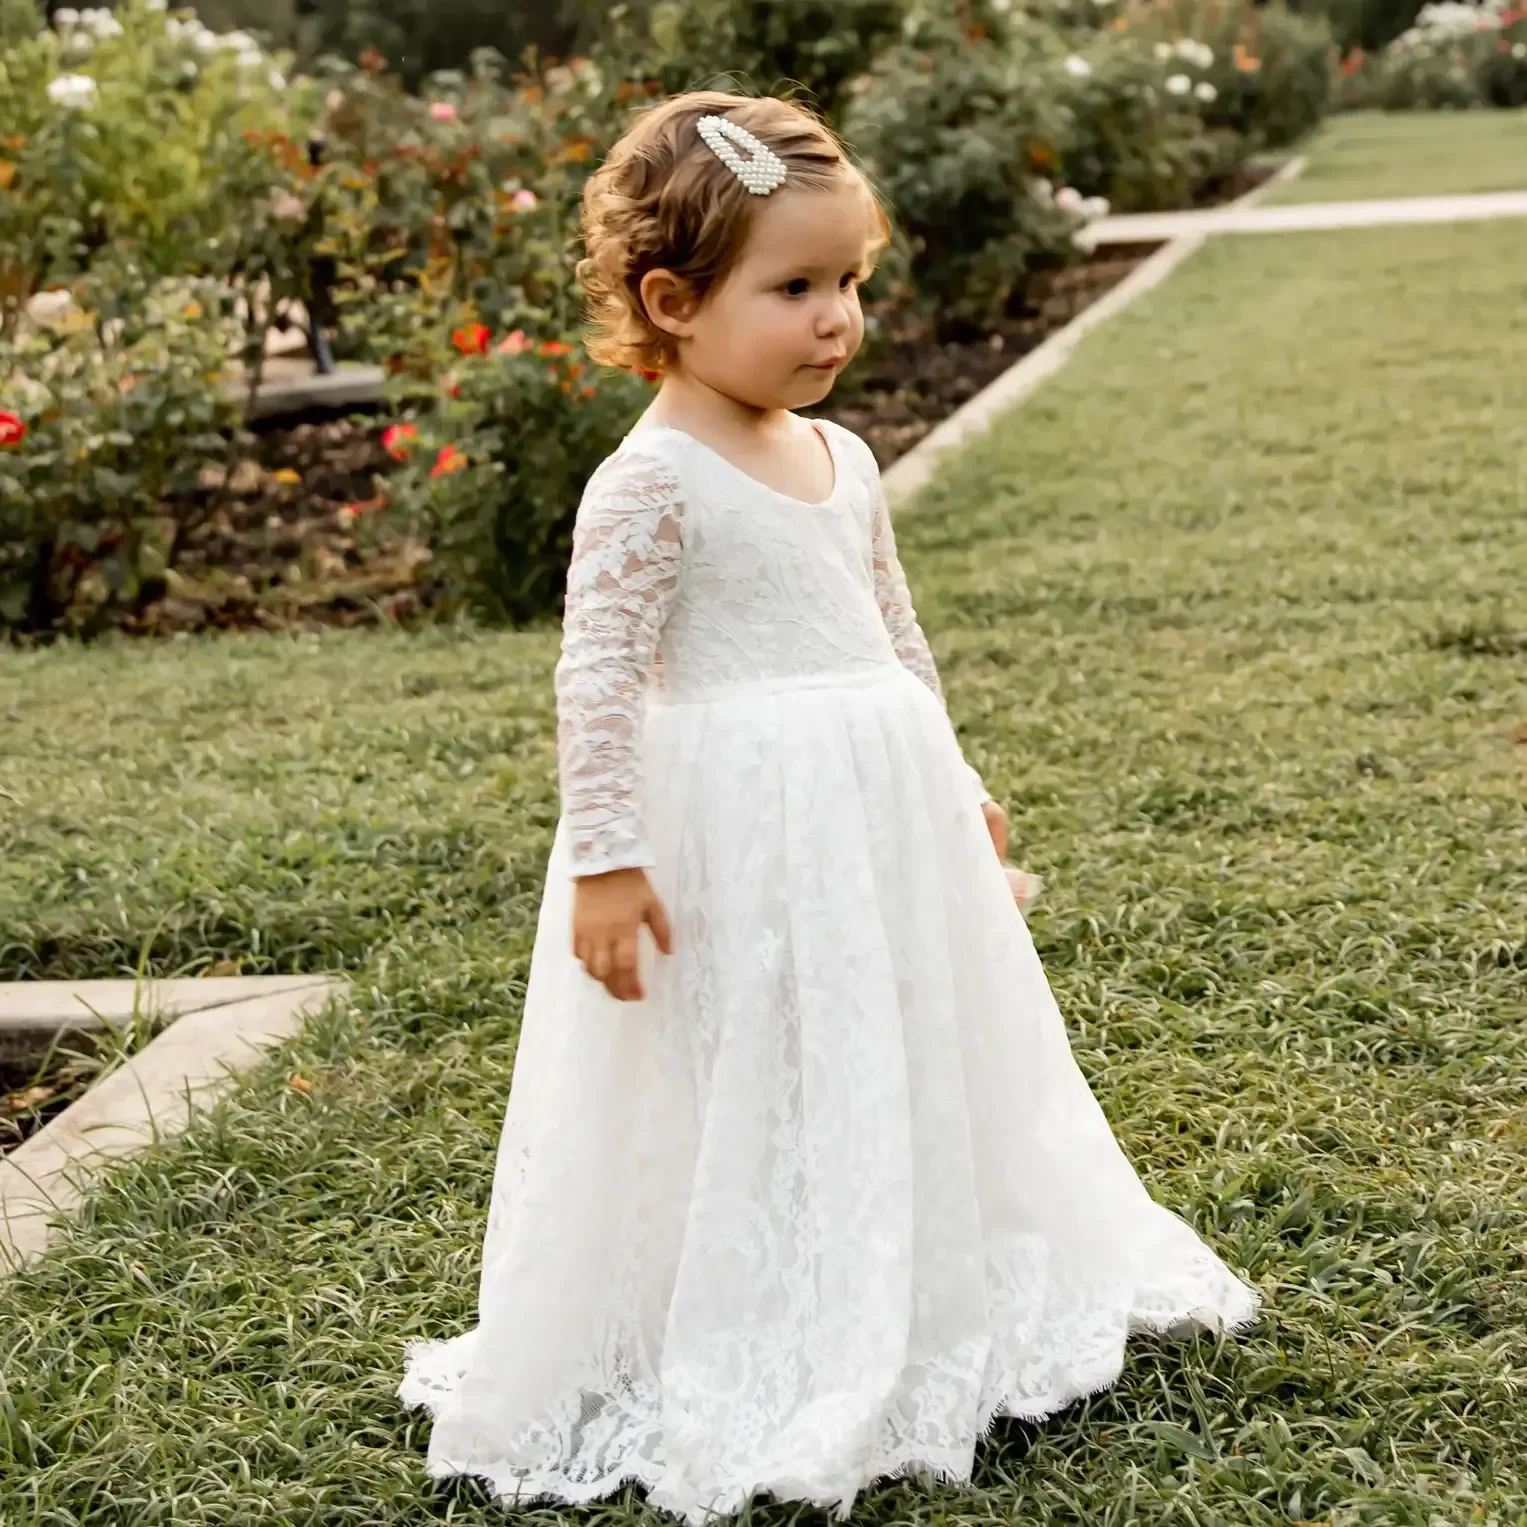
1372 155
1232 616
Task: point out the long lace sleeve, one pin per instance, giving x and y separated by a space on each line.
895 601
620 582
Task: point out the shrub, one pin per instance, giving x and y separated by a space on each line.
127 138
421 37
467 195
1362 25
955 130
126 130
1137 135
1268 70
105 422
1456 56
1502 70
815 47
497 459
19 20
1289 95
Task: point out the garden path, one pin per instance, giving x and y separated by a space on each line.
1308 217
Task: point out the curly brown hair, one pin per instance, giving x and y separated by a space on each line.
663 201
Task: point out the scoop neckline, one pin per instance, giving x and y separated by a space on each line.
824 435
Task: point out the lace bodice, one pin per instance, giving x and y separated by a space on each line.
693 579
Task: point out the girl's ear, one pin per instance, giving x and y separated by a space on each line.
669 302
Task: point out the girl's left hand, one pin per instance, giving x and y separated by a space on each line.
996 825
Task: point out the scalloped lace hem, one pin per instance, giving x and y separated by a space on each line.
432 1369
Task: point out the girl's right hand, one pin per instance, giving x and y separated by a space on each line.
608 913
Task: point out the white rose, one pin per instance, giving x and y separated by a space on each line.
156 5
1078 66
1069 199
1041 190
1205 92
1163 51
72 91
1519 50
1178 84
66 16
1096 207
103 24
276 80
1002 7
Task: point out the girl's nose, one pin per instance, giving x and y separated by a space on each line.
834 317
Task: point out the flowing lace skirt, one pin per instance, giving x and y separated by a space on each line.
835 1194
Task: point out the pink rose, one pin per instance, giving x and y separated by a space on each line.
524 201
442 111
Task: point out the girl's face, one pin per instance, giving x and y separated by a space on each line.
778 328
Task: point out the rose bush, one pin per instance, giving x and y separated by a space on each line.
128 135
957 127
424 229
464 196
1456 56
495 463
1138 134
99 437
1263 74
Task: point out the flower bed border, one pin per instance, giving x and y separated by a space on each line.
149 1097
909 473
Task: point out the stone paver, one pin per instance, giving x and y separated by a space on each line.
34 1012
297 385
1147 227
150 1096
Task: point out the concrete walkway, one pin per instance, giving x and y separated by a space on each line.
1153 227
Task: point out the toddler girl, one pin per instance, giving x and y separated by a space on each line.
799 1184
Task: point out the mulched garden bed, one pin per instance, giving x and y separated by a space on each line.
33 1093
285 539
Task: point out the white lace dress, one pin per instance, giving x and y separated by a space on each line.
834 1194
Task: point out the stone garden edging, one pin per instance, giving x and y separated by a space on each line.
150 1096
911 472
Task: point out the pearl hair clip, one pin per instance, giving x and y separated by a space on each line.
762 172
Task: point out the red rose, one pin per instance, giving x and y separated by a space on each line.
13 428
472 339
514 343
556 347
397 440
449 460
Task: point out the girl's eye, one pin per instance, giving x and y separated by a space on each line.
797 288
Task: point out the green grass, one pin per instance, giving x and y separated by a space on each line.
1232 615
1372 155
